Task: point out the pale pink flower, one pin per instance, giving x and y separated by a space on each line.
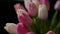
32 9
57 5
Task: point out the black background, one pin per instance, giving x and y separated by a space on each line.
7 13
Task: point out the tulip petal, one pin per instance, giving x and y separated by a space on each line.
26 2
18 6
45 2
25 19
32 9
36 2
21 29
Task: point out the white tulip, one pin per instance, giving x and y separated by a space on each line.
42 12
11 28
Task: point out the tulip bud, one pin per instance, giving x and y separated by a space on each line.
19 10
45 2
36 2
43 12
30 33
26 2
50 32
57 5
11 28
21 29
25 19
32 9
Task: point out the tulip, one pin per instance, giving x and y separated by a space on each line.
19 10
50 32
25 19
30 33
57 5
26 2
32 9
42 12
11 28
45 2
36 2
21 29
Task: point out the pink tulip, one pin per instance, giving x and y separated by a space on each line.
32 9
50 32
45 2
30 33
21 29
57 5
25 19
19 10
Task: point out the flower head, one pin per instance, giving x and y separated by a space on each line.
32 9
25 19
57 5
43 12
21 29
11 28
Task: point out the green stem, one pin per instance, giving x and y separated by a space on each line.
53 20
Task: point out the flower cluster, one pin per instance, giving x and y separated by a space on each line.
34 20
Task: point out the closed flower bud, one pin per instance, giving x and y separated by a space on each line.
25 19
19 10
32 9
43 12
57 5
21 29
50 32
11 28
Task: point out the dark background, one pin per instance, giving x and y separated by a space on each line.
7 12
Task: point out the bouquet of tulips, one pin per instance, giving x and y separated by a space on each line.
34 20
